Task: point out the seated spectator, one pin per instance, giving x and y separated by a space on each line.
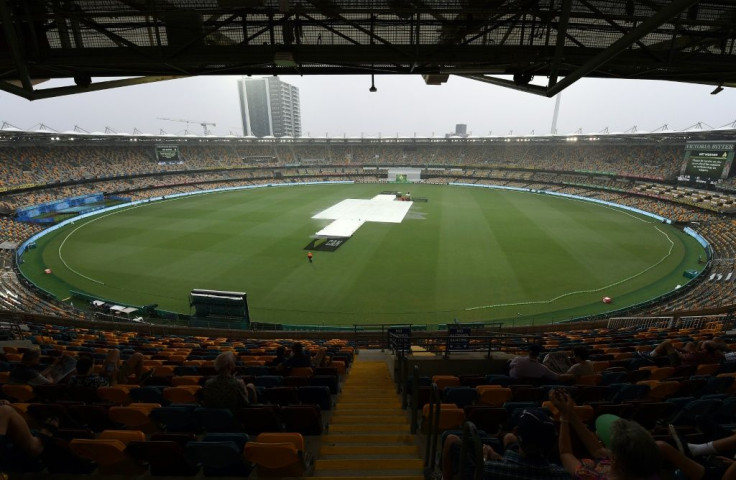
27 372
620 449
690 355
85 377
226 390
17 443
529 367
558 362
525 455
320 359
280 357
130 372
299 357
683 457
582 365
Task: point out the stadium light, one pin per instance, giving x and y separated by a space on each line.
373 88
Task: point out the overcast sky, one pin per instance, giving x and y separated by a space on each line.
403 105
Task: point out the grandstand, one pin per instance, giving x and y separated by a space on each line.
344 417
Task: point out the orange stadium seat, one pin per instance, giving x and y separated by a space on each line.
277 454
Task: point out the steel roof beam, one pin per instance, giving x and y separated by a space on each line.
666 13
16 48
560 44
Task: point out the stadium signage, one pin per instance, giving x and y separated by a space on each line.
20 187
710 146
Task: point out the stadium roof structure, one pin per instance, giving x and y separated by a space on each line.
559 40
42 134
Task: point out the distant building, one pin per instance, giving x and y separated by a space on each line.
269 107
461 130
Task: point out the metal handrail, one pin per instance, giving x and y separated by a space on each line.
432 430
414 399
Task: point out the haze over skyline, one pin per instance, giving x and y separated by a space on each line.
403 106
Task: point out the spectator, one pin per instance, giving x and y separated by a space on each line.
130 372
280 357
558 362
529 367
225 390
17 443
525 456
690 355
27 373
299 357
620 449
582 365
683 457
85 377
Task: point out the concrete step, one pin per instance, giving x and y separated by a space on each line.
348 411
361 476
333 438
342 419
369 450
372 464
369 428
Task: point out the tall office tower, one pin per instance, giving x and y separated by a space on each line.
269 107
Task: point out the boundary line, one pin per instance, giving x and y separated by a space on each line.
63 242
539 302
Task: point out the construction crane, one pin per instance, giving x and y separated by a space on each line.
203 123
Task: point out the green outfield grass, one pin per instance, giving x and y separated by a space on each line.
470 254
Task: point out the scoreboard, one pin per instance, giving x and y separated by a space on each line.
708 160
167 154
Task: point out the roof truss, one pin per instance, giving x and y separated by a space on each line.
558 40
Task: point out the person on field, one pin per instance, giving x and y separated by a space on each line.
309 256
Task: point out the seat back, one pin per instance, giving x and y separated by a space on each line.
19 393
124 436
258 419
277 454
450 417
133 417
164 457
216 420
117 394
301 372
443 381
175 419
182 394
219 458
488 418
315 395
281 395
109 454
460 396
594 379
304 419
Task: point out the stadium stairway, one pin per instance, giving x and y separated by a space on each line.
369 435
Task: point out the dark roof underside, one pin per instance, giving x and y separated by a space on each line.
558 40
